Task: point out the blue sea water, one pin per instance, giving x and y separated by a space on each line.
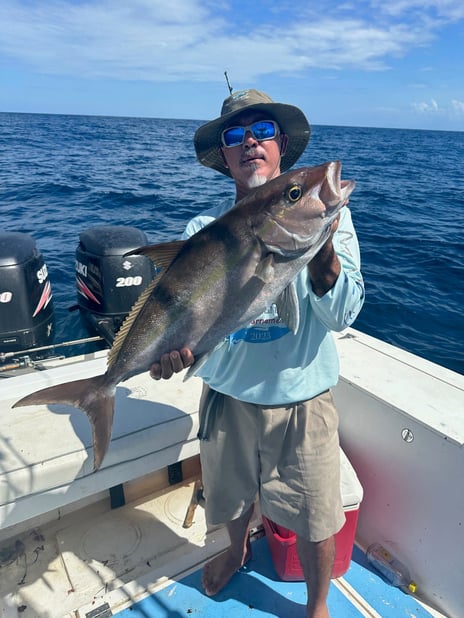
60 175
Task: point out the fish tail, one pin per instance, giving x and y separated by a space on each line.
93 396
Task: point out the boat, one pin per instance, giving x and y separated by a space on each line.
131 538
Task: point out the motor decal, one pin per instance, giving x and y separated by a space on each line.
45 298
85 291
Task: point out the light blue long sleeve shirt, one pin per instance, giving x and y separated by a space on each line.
266 363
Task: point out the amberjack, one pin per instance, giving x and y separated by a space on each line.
213 284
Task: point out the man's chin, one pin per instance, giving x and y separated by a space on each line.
256 180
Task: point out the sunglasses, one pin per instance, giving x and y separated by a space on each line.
261 130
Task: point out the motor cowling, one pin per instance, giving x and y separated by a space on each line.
107 281
27 317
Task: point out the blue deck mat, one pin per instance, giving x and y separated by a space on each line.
388 601
257 591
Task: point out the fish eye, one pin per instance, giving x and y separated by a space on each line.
294 193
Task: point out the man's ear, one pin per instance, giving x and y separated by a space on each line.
223 157
283 144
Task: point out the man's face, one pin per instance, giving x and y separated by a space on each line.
253 162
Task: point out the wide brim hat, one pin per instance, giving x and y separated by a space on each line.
290 119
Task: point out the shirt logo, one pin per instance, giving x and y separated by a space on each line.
268 327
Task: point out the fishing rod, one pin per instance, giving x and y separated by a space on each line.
7 355
228 82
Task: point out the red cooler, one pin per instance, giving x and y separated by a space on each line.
282 542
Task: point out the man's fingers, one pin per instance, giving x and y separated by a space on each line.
155 371
172 363
177 364
187 357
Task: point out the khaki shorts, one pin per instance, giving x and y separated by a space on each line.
289 456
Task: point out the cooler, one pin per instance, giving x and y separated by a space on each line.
282 542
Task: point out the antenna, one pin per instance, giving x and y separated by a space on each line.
228 82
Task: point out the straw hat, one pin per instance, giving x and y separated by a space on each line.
290 119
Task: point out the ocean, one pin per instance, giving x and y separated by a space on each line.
60 175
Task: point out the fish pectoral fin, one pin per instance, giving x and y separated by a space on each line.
265 268
161 254
288 307
199 362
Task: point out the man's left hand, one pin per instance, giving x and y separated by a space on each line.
325 267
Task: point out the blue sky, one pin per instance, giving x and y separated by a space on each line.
381 63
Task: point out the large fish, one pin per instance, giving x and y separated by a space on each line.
213 284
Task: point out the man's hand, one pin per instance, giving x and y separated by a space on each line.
171 363
324 268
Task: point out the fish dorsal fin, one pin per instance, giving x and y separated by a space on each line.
288 307
130 319
162 255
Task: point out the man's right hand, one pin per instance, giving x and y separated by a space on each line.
172 362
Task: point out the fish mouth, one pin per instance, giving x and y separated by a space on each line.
333 190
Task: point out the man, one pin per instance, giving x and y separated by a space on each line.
268 425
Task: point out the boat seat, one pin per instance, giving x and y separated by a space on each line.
46 454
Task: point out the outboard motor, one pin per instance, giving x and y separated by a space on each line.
108 284
27 317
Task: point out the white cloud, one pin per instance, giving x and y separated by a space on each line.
427 108
450 10
156 40
457 106
454 108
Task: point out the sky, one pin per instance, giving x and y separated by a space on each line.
377 63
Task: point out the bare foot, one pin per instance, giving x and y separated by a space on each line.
218 572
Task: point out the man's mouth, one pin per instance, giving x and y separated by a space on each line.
251 157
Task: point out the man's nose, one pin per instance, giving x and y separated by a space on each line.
249 138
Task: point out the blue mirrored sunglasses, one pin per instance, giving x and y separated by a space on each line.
261 130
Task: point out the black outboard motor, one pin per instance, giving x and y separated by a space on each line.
27 317
108 284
